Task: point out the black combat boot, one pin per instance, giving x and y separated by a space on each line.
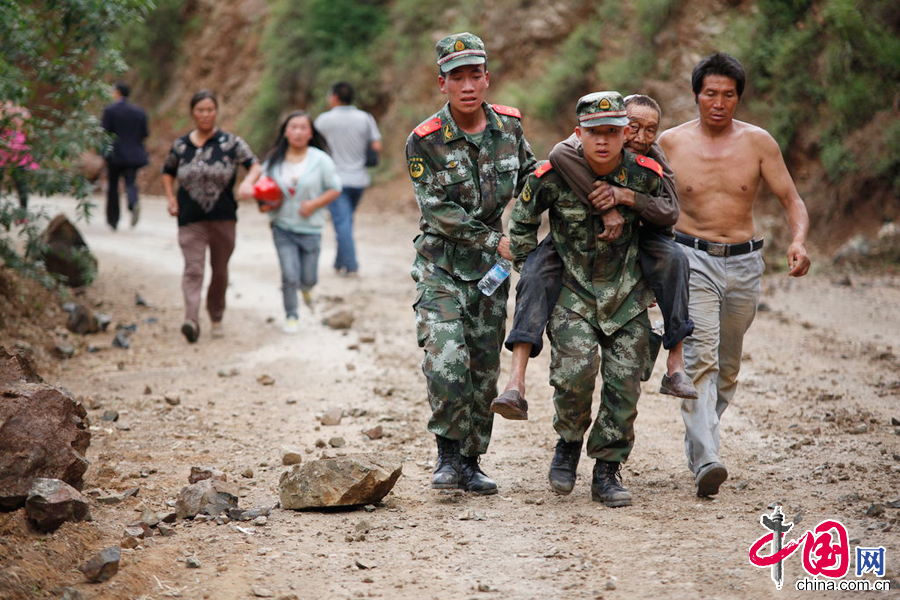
606 486
446 475
564 465
472 478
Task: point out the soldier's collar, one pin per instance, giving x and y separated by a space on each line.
450 131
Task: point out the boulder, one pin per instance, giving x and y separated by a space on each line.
43 434
209 497
52 502
344 481
66 253
102 565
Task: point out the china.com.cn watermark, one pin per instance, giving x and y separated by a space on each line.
826 554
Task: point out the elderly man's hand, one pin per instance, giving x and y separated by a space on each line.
612 226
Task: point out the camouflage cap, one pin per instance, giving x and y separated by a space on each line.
460 49
601 108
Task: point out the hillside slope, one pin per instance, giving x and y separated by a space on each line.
266 58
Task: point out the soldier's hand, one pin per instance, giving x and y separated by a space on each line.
603 197
612 226
798 260
503 248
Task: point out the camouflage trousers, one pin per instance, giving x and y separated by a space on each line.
461 330
574 366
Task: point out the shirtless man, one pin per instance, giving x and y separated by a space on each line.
719 163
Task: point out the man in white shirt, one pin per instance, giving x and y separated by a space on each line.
348 131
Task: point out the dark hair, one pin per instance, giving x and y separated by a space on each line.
276 154
642 100
123 89
719 64
203 95
343 91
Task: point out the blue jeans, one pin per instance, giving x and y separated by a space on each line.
298 254
342 210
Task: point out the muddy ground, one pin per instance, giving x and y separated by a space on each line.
810 428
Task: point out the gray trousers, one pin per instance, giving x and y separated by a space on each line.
724 293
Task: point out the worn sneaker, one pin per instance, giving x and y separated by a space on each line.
217 331
291 325
709 478
679 384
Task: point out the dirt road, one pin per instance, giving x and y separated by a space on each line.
810 428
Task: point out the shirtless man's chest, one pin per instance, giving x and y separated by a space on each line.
717 179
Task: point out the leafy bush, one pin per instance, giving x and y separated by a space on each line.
309 45
54 61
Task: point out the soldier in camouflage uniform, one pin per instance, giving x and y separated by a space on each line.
466 162
604 297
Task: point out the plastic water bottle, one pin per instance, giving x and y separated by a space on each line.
494 277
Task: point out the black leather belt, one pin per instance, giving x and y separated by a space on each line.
717 249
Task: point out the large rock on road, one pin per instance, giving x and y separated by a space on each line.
43 433
345 481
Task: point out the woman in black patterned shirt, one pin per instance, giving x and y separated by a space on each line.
205 163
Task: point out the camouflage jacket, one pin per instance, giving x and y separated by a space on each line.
462 189
603 281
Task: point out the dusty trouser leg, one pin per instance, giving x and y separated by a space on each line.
668 272
574 365
540 284
193 239
701 353
744 276
623 356
221 245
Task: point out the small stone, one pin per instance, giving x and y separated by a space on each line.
861 428
201 473
130 542
150 518
165 530
193 562
611 582
172 399
375 433
291 456
121 341
261 521
265 380
111 499
337 442
169 517
103 565
67 593
367 339
261 592
895 421
364 564
875 510
342 319
147 390
332 416
229 373
52 502
291 401
369 508
247 473
320 443
110 415
63 351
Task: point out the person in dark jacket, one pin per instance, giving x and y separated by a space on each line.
128 125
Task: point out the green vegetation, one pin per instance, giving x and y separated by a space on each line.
152 46
55 58
828 64
309 45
